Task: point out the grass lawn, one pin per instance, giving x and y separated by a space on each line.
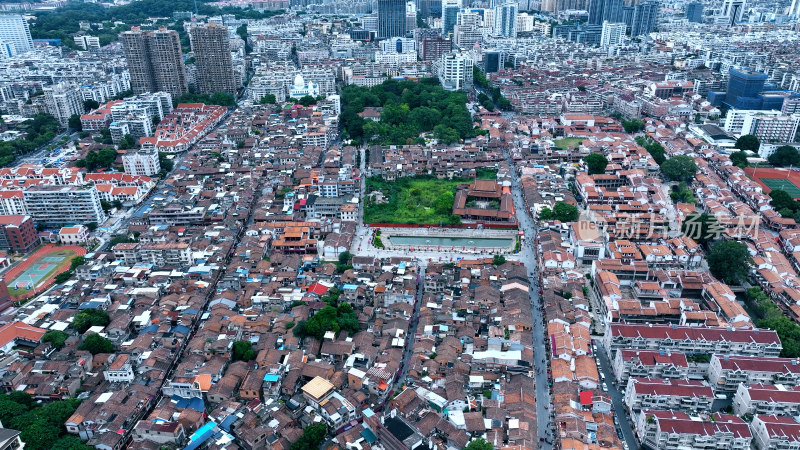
415 200
567 143
782 184
486 174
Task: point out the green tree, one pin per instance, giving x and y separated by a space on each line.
655 149
445 134
311 438
498 260
90 104
63 277
748 142
94 344
565 212
268 99
679 168
127 142
87 318
74 122
785 155
739 159
70 443
596 163
39 435
788 332
701 227
10 409
479 444
307 100
243 351
75 262
730 261
345 257
633 126
546 214
56 338
782 200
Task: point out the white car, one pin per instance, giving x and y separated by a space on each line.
605 387
625 445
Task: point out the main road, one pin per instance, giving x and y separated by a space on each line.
540 346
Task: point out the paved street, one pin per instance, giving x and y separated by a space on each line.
622 418
541 360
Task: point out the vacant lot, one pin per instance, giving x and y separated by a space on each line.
567 143
417 200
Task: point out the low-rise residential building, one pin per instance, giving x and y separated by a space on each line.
656 393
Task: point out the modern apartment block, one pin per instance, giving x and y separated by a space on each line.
212 52
62 101
64 205
769 125
455 71
143 163
155 61
15 35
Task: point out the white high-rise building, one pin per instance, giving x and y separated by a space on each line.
62 101
525 22
88 42
733 10
766 125
613 34
505 20
143 163
455 70
14 31
794 10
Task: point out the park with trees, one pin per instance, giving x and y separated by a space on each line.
412 200
409 109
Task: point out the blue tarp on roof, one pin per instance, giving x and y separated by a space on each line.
194 403
182 329
150 329
368 435
226 424
271 377
200 436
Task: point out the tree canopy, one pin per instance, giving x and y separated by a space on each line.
596 163
498 260
88 318
41 427
311 438
739 159
701 227
729 261
479 444
329 318
748 142
38 132
243 351
94 344
55 337
409 109
679 168
785 155
655 149
633 126
217 98
561 211
98 159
